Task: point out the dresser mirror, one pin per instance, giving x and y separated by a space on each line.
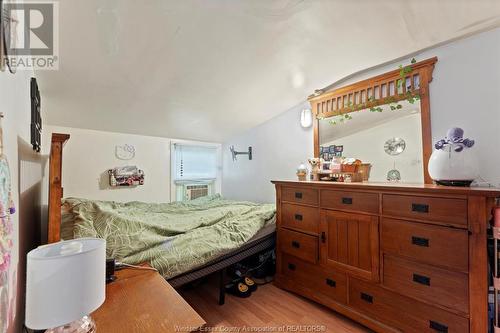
389 140
382 122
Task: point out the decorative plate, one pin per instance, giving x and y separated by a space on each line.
394 146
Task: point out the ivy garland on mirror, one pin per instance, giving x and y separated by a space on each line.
390 102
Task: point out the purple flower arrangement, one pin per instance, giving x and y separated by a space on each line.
455 139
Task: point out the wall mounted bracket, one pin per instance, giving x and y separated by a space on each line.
235 153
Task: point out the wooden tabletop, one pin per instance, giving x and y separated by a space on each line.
388 186
142 301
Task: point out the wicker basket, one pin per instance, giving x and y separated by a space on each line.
351 168
364 169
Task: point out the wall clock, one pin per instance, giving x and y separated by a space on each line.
394 146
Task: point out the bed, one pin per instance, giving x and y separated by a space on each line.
184 241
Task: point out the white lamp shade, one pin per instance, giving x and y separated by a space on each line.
306 118
65 281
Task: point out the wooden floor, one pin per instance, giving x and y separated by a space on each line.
267 310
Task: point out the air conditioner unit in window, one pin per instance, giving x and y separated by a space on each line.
196 191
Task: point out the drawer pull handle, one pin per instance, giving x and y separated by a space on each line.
298 217
438 327
420 208
323 237
295 244
367 298
291 267
425 280
347 201
331 283
420 241
298 195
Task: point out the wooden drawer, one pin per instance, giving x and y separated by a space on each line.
327 282
402 312
440 286
300 217
427 209
298 244
435 245
354 201
307 196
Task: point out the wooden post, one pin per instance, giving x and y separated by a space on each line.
55 187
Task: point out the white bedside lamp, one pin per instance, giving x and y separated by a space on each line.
65 282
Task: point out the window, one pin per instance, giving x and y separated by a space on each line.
195 170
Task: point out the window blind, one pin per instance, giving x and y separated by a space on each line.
195 162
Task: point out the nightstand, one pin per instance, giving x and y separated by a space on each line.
142 301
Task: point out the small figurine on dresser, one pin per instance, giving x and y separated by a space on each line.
302 172
315 167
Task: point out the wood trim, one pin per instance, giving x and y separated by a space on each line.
334 102
316 135
478 264
55 187
381 77
425 113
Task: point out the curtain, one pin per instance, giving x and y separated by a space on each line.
195 162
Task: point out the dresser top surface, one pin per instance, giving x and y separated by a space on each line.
142 301
427 188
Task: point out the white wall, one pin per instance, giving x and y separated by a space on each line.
26 174
464 93
88 155
279 146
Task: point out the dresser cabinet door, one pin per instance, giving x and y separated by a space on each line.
350 242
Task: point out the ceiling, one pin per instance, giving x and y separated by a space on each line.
209 69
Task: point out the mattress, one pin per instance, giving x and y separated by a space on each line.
175 238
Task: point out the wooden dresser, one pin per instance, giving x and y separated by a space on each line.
408 258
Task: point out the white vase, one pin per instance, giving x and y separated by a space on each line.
448 167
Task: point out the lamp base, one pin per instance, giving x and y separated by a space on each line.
83 325
462 183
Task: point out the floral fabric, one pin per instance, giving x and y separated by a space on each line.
6 233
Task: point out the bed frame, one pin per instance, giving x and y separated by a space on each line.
55 187
254 246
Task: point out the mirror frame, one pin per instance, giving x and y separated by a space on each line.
362 95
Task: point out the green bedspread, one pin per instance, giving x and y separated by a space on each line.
173 237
